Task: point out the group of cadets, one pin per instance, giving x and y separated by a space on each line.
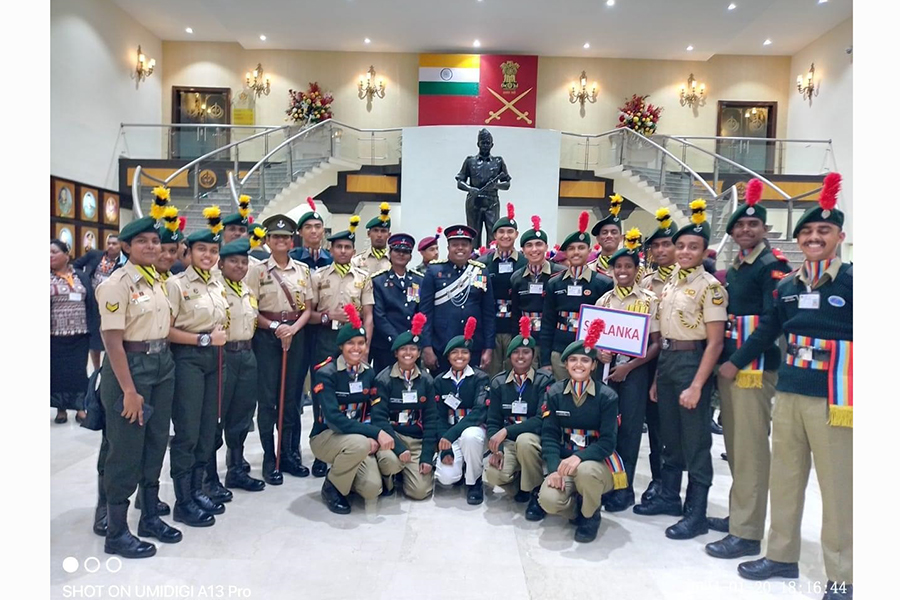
464 369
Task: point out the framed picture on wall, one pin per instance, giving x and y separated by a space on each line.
89 204
105 236
63 200
88 239
66 233
110 209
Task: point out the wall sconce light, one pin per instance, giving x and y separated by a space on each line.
583 95
368 89
696 95
805 86
258 82
144 68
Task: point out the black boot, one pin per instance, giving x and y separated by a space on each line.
334 500
387 487
100 521
290 466
320 469
587 528
535 512
271 475
716 524
214 488
731 546
236 477
475 494
668 500
205 503
522 496
694 522
652 490
162 509
186 510
618 500
150 524
119 539
763 568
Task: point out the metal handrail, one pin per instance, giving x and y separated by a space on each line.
286 142
752 139
203 125
734 204
196 161
136 190
696 176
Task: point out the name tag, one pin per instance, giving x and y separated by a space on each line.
403 418
535 288
75 297
505 267
351 414
520 408
142 298
809 301
578 440
504 309
573 290
335 325
409 397
356 387
563 413
452 401
804 353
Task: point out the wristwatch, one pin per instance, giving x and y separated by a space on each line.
325 318
204 340
273 325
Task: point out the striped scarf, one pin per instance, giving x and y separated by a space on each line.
504 255
237 286
535 270
604 261
379 253
457 377
407 377
839 365
342 270
165 276
684 273
623 292
149 273
745 253
204 275
576 271
579 388
520 380
814 270
314 254
665 272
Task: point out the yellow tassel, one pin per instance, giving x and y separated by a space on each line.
244 200
615 204
211 212
664 218
255 242
620 480
384 206
354 223
216 228
840 416
161 192
633 238
747 380
244 211
259 232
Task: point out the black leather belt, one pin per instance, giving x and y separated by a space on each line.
682 345
239 346
146 347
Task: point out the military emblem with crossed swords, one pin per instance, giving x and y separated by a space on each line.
508 106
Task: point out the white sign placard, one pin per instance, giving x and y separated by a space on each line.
624 332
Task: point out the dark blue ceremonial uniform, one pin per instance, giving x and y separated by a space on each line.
396 301
447 313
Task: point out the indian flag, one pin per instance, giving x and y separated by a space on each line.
449 74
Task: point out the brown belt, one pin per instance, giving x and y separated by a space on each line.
281 317
147 347
682 345
238 346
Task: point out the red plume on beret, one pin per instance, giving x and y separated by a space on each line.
535 222
556 247
830 188
250 220
311 202
469 330
440 230
353 316
593 335
418 323
525 327
182 221
754 191
596 246
583 221
482 250
510 211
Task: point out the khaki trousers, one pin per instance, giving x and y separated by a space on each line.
353 469
415 485
499 362
799 427
558 366
520 456
746 421
592 480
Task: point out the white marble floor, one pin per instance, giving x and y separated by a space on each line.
283 543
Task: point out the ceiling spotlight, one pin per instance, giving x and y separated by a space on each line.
689 48
367 40
262 38
732 6
822 1
768 42
610 2
188 30
586 45
476 44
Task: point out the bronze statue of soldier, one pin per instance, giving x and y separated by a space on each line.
485 175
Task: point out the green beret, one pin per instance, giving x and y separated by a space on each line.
533 234
239 247
236 219
138 226
383 219
817 214
508 221
167 236
745 210
577 347
204 235
634 255
519 341
607 220
578 236
702 230
457 342
280 224
348 332
662 233
404 339
347 234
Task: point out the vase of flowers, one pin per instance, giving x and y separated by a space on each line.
639 115
309 107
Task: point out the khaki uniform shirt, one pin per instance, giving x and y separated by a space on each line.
197 305
242 313
268 291
639 300
367 262
655 282
331 291
128 303
688 304
600 264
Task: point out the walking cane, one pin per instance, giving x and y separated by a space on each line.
284 354
220 383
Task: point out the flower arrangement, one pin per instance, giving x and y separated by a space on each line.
311 106
639 115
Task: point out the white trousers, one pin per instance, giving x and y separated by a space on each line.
468 449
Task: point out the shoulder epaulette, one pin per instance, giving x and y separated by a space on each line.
417 272
779 255
439 261
377 273
323 363
477 263
788 278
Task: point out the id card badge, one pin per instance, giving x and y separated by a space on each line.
520 408
573 290
505 267
403 417
536 288
356 387
452 401
75 297
409 397
335 325
504 309
578 440
809 301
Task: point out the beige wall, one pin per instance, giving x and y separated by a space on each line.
726 77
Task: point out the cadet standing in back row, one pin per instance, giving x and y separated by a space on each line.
396 293
375 259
